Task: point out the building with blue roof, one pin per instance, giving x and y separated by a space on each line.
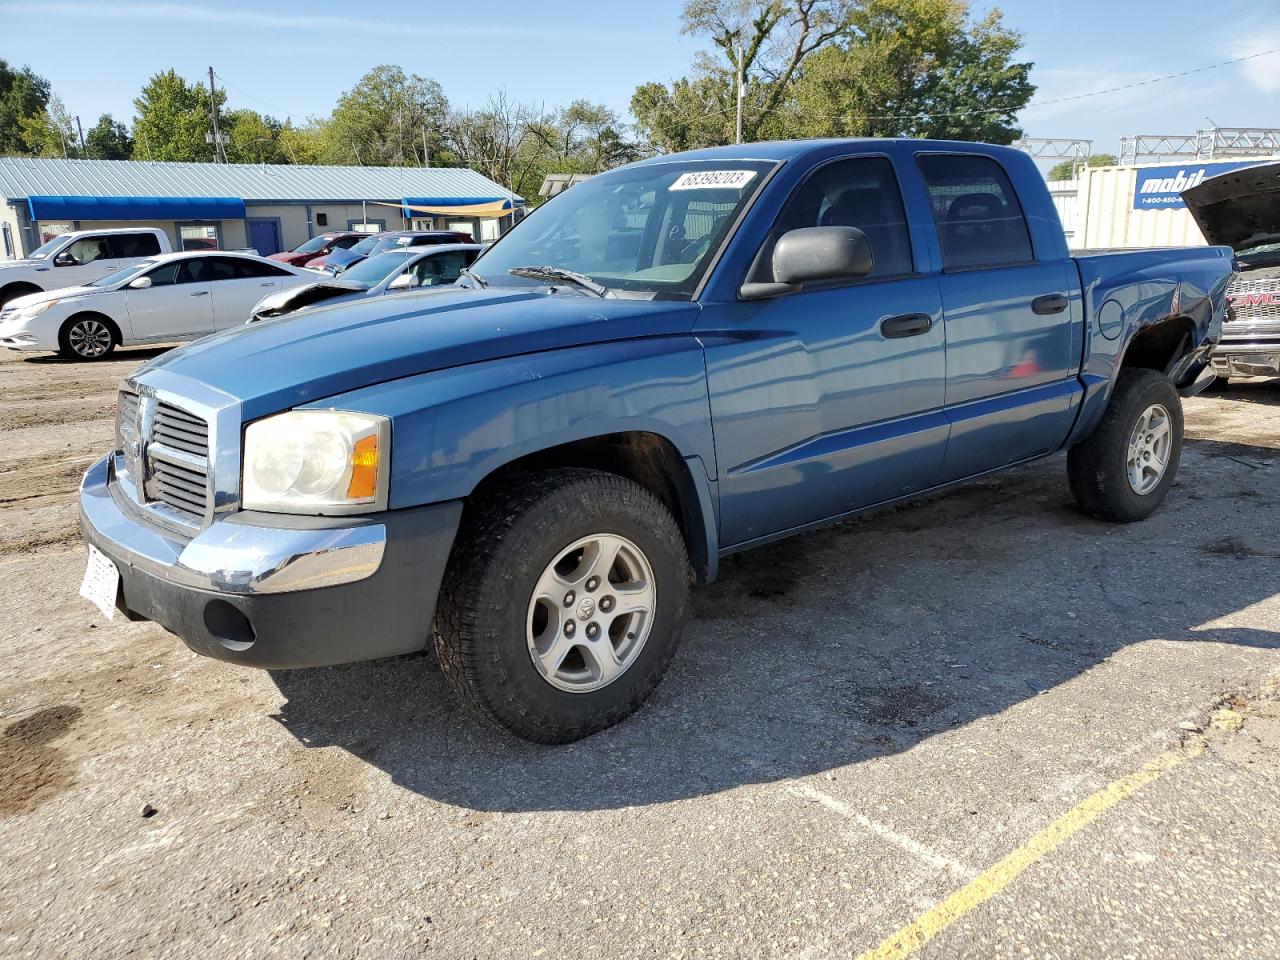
237 206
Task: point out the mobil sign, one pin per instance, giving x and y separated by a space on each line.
1160 188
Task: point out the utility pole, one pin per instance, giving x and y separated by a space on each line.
80 130
219 151
739 92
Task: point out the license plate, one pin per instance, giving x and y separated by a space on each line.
101 583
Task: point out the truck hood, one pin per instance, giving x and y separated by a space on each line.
1239 208
273 365
23 264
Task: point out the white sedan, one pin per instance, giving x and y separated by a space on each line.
176 296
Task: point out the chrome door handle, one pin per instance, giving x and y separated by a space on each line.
201 293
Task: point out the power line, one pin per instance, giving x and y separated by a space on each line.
267 103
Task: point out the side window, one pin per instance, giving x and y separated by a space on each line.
250 269
977 214
445 268
135 245
88 249
166 274
221 268
195 270
860 192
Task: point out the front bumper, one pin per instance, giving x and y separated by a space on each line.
1235 359
271 590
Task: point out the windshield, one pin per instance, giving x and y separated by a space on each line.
375 269
653 228
124 273
366 245
1263 255
42 252
314 245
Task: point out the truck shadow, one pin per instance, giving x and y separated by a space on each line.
850 643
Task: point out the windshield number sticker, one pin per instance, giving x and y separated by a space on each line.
713 180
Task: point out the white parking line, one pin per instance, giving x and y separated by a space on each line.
914 847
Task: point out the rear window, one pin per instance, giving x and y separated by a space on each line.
977 214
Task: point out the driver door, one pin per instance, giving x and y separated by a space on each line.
91 257
177 305
830 399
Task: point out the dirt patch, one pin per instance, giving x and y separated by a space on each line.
32 770
1235 547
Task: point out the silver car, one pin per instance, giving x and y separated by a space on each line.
393 271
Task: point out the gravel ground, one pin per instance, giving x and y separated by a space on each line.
869 729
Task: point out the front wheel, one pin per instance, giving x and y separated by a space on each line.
563 604
86 338
1124 469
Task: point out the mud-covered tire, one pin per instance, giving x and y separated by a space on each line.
1098 468
87 336
508 544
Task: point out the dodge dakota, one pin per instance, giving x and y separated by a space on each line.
675 360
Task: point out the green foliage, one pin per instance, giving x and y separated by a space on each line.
252 137
388 119
108 140
23 95
918 68
50 133
173 119
1067 168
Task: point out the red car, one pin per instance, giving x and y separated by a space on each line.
318 246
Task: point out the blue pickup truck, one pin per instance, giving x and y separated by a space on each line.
673 361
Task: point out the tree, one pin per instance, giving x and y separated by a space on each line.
584 138
23 94
852 68
388 119
173 120
1066 170
108 140
252 138
498 141
306 144
51 132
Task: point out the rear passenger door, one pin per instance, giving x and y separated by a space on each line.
237 284
1011 354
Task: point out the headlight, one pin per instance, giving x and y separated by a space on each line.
35 309
317 461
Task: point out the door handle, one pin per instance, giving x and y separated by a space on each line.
267 284
201 293
907 325
1049 304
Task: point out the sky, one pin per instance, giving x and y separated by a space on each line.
295 59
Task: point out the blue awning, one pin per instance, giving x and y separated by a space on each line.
135 208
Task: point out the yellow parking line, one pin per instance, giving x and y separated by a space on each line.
991 881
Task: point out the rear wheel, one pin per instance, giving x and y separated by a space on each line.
87 337
1124 469
563 604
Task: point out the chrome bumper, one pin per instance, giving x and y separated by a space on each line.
1246 359
233 555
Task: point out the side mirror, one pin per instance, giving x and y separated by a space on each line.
64 259
402 282
139 283
814 253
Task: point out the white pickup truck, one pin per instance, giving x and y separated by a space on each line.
76 259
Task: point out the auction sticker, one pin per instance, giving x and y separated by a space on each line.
101 582
713 180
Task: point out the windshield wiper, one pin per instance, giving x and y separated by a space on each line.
558 273
475 278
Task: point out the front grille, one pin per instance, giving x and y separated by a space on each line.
165 452
180 486
181 430
1254 299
